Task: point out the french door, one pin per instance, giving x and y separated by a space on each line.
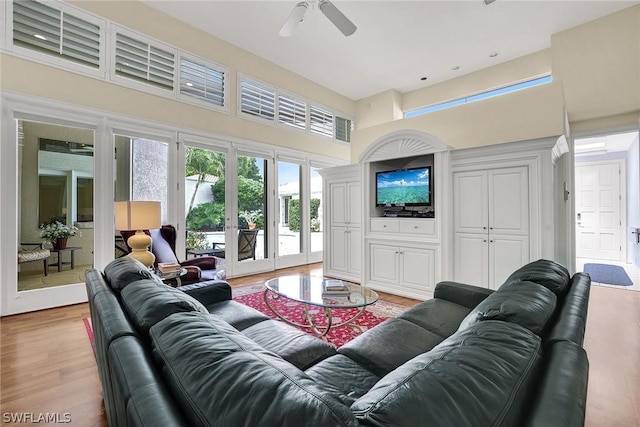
48 173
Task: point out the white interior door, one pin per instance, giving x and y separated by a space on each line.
598 211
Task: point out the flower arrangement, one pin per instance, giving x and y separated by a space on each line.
56 230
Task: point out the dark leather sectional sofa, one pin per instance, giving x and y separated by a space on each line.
191 356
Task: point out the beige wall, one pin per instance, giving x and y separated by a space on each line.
516 70
596 74
534 113
24 76
599 66
596 66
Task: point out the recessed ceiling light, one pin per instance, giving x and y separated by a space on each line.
455 67
423 78
38 36
493 54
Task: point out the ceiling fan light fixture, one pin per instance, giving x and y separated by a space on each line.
295 17
338 19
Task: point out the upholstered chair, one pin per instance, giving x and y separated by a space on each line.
163 247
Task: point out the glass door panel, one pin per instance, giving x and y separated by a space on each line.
290 214
204 185
140 174
55 212
315 212
249 223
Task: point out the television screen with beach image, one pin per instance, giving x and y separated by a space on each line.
404 187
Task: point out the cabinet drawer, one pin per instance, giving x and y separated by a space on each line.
385 225
418 226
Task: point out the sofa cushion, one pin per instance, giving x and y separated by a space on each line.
477 377
122 271
344 378
402 340
526 303
238 315
222 378
436 315
549 274
293 345
147 302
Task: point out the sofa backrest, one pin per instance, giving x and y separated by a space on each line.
481 376
527 304
140 398
147 302
123 271
220 377
549 274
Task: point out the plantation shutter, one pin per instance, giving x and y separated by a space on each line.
45 29
321 121
202 82
292 113
257 101
144 62
343 129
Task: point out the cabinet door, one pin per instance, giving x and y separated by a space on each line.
471 259
384 263
470 202
506 254
509 201
337 203
354 203
339 250
418 268
354 256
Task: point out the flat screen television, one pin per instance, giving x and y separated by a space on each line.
404 187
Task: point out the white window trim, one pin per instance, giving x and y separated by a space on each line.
194 101
243 77
6 14
276 122
132 83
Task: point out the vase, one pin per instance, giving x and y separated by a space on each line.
61 243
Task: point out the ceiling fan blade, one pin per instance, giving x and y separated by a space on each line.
295 17
337 18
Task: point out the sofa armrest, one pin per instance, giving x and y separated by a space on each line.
208 292
562 391
204 262
462 294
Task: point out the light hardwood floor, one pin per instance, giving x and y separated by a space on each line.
47 364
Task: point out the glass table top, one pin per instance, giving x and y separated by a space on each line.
310 290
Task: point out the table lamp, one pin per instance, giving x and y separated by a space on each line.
139 215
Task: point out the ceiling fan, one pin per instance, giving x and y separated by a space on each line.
327 8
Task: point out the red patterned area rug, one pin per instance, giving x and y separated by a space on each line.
253 296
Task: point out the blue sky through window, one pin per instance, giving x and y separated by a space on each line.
479 96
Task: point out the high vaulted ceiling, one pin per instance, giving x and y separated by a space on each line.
396 43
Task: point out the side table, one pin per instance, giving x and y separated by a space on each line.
59 252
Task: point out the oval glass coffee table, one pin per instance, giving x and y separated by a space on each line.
310 292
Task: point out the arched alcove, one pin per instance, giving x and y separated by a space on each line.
402 143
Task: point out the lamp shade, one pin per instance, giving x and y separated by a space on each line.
138 215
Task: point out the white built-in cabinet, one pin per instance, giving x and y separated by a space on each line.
403 256
491 224
496 209
342 189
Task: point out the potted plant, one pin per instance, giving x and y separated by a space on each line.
250 217
57 233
